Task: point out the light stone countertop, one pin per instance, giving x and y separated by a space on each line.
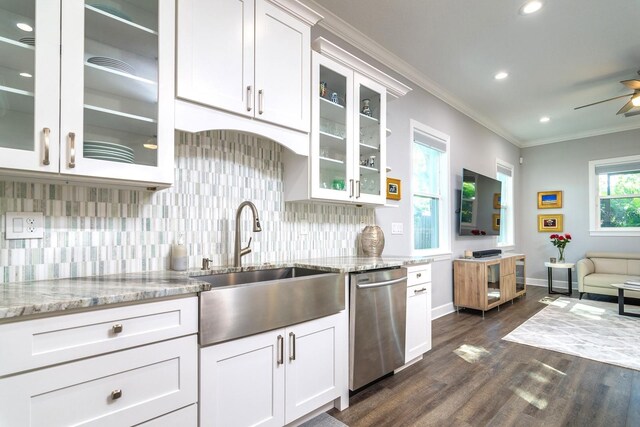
59 295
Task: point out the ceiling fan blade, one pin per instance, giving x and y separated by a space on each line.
631 114
600 102
631 84
626 107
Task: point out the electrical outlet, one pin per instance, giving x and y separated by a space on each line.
397 228
24 225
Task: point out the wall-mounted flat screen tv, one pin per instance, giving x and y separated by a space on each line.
480 205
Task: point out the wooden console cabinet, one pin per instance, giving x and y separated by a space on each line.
483 284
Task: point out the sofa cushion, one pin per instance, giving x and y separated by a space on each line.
634 267
603 280
617 255
610 265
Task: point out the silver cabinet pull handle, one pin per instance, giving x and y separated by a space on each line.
72 150
357 189
280 359
350 188
116 394
417 291
260 101
45 158
117 328
292 346
248 98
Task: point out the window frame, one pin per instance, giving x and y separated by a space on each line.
444 198
594 200
510 207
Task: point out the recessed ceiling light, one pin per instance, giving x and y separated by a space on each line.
530 7
24 27
501 75
544 119
26 75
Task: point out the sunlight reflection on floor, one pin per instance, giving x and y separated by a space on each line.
538 402
560 303
470 353
583 310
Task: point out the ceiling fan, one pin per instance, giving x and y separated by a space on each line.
634 100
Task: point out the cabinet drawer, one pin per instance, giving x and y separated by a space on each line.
185 417
122 388
47 341
418 274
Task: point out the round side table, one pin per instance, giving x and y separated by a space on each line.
550 266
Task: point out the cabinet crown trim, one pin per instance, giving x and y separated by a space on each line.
299 10
395 88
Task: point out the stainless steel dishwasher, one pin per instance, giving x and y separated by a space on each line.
378 311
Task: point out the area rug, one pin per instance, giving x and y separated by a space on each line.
589 329
323 420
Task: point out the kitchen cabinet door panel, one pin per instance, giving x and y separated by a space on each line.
283 61
216 54
239 372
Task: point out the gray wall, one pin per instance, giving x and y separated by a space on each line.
564 166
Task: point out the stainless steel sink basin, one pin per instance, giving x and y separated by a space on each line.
249 302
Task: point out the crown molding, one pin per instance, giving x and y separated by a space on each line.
579 135
349 34
394 88
299 10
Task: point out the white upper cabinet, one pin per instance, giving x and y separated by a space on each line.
99 104
347 161
250 61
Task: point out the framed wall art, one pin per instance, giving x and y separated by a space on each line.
497 204
496 221
549 199
393 189
548 223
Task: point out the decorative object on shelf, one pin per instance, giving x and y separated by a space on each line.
497 204
393 189
366 109
560 242
323 89
496 221
550 222
338 184
372 241
552 260
334 98
549 199
372 161
179 255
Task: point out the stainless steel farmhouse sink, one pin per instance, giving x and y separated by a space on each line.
249 302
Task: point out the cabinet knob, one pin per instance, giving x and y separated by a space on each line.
116 394
419 275
117 328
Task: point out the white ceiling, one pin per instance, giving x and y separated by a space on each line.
570 53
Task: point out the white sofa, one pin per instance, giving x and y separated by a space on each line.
598 270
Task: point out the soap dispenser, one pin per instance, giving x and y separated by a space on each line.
179 255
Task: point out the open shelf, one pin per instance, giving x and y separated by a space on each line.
332 111
16 100
17 56
104 117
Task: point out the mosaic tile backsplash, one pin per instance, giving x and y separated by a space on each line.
93 230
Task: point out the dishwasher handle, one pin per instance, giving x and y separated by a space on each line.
380 284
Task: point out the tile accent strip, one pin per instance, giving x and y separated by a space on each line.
92 231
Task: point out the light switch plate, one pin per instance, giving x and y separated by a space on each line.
24 225
397 228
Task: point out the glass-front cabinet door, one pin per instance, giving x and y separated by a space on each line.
113 59
370 146
332 131
29 84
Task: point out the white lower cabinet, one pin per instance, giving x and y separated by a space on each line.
122 388
418 332
184 417
115 366
273 378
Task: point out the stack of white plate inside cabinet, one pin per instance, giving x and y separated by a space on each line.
102 150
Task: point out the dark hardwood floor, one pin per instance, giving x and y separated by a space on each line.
472 377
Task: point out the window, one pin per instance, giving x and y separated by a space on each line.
504 174
430 190
614 195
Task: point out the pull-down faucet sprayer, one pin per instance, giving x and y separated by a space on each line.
238 251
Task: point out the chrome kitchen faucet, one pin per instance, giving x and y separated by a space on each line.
238 251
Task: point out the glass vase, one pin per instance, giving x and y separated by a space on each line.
561 255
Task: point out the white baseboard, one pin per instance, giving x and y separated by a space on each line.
442 310
556 283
